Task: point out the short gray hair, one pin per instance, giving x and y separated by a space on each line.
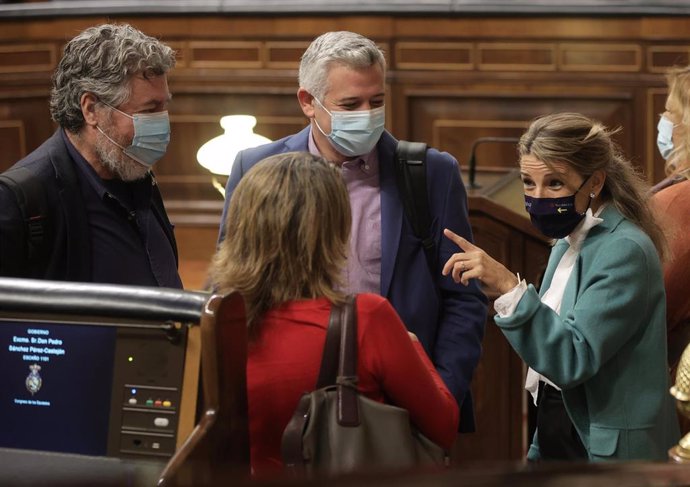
101 60
346 48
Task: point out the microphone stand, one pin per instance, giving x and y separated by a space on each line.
473 159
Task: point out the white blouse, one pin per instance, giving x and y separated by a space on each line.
505 305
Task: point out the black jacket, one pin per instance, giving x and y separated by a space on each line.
65 227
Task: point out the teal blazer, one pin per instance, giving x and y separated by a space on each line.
606 349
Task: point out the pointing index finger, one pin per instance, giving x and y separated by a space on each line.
458 240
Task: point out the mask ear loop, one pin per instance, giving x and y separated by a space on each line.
591 196
316 121
589 203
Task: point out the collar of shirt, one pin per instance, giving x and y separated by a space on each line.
84 167
99 185
578 235
368 164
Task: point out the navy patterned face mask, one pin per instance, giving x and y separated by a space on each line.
555 217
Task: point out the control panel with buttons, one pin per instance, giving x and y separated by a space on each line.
145 408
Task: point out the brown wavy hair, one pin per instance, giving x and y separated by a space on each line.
287 234
587 146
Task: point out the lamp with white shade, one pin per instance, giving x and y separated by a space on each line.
218 154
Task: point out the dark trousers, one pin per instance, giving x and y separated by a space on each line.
557 436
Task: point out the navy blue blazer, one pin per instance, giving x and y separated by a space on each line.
448 318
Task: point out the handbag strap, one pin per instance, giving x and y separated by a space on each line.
333 361
329 359
348 403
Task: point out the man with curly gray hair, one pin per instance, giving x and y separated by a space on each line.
84 206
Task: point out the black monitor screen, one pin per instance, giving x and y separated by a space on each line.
55 386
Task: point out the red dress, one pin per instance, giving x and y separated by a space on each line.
284 361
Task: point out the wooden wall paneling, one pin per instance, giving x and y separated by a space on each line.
444 56
488 155
528 27
454 120
195 245
181 53
661 57
12 141
637 131
514 56
534 260
600 57
397 110
225 54
656 105
21 58
495 239
497 394
25 124
495 411
284 54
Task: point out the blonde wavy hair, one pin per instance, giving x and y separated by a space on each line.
287 234
587 146
678 79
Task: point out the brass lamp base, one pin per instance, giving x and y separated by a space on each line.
681 452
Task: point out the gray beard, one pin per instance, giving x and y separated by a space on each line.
117 162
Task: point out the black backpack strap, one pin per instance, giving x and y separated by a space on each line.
33 204
410 168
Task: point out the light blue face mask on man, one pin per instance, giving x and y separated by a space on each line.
354 133
664 139
151 136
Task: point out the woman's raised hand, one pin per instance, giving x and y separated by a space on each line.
474 263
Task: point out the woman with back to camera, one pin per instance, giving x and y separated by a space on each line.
287 240
594 336
672 203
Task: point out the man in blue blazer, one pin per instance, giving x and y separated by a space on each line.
342 92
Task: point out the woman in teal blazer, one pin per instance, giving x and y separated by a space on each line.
595 334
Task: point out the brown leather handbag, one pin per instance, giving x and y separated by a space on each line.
337 430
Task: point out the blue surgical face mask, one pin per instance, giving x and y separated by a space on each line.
354 133
664 139
151 136
555 217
